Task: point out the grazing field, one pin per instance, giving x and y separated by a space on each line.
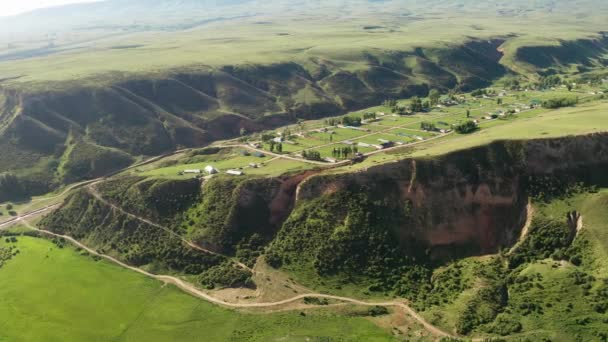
57 294
302 35
566 121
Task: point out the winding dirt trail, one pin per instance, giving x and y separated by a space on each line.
93 191
526 227
194 291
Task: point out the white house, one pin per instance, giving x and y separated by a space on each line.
193 171
235 172
210 170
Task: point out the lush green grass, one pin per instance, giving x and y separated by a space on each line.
567 121
54 294
266 167
301 36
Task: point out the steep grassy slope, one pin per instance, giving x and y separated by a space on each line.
93 128
127 238
236 216
100 128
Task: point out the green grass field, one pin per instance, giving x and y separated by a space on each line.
53 294
583 119
312 31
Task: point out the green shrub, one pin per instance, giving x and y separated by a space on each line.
225 275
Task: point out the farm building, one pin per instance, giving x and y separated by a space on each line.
193 171
210 170
235 172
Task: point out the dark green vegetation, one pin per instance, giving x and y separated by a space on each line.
134 241
82 299
466 128
236 216
8 251
560 102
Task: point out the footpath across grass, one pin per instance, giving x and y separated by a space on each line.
49 293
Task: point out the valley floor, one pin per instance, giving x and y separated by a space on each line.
56 293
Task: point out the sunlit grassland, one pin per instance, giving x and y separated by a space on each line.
583 119
291 38
54 294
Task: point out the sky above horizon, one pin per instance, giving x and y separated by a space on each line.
13 7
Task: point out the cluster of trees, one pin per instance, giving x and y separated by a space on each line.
131 240
272 144
428 126
546 188
275 146
560 102
369 116
226 275
161 200
549 81
482 92
249 249
390 103
546 238
344 152
9 209
434 96
417 105
7 253
350 234
483 308
11 187
466 127
332 122
512 83
311 155
353 121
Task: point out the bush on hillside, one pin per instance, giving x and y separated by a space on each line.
560 102
466 127
226 275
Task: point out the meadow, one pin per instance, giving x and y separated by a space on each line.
344 34
59 294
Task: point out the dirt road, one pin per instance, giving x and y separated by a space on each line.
193 290
190 244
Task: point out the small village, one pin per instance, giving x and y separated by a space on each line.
394 125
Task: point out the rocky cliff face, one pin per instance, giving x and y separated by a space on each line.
415 211
472 201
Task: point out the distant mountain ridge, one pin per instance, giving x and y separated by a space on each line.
172 12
